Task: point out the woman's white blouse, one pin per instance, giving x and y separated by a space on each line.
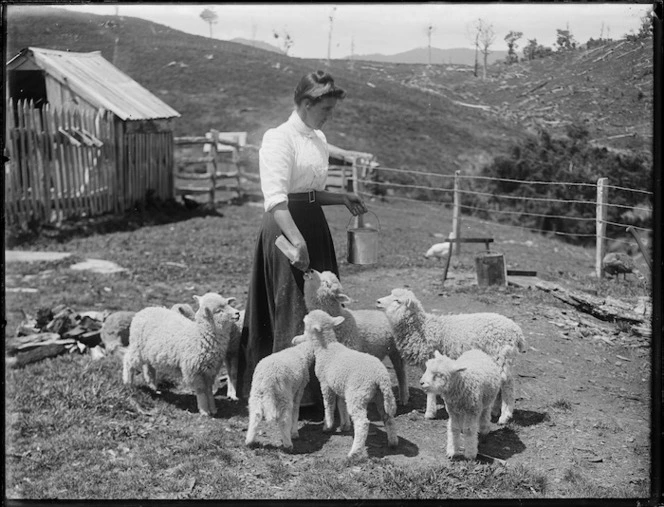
293 158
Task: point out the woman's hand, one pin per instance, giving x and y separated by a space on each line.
301 260
354 204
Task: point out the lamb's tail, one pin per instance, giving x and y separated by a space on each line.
389 403
271 399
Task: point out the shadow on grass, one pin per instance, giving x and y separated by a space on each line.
377 445
502 444
226 408
529 417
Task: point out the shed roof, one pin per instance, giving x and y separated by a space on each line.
96 80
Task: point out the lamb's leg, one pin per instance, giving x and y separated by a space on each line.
255 416
329 402
230 362
388 421
285 422
150 376
296 411
507 398
361 427
400 370
127 369
453 434
486 426
432 406
209 381
199 385
344 418
470 429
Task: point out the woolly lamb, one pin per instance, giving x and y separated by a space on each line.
277 387
159 337
364 330
115 330
469 387
419 333
355 377
232 350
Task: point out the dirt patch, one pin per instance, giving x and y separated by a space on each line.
582 405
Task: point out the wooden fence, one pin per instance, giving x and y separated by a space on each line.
70 163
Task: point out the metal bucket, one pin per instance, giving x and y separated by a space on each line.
362 242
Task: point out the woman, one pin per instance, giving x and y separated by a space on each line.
293 162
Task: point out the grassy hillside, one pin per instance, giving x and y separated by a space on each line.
229 86
408 115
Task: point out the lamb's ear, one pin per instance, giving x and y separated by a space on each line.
437 355
337 320
460 368
298 339
343 299
230 301
197 298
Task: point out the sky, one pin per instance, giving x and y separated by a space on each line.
391 28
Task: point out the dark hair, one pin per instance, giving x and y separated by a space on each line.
316 86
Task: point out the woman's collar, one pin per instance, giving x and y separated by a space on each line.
299 125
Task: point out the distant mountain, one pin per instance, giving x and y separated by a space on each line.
257 44
459 56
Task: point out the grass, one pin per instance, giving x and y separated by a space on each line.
74 431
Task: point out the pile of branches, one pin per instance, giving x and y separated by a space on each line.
51 332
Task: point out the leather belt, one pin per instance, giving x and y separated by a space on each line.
308 197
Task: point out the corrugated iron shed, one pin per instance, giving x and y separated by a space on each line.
97 81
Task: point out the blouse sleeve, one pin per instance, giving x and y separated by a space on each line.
275 160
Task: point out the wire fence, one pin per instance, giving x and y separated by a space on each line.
525 212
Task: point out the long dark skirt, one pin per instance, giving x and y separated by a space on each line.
275 306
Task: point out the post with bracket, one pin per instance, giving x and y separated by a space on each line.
601 216
456 215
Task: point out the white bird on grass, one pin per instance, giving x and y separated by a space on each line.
440 250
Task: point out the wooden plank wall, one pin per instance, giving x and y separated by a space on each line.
72 163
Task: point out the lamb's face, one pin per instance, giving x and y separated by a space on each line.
319 325
437 376
320 287
397 303
220 307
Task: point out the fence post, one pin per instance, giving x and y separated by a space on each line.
601 214
456 215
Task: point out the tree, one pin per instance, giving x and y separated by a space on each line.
210 17
329 37
486 38
286 40
534 50
429 32
645 29
511 39
565 40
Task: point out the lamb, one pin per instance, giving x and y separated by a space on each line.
364 330
357 378
277 387
159 337
115 330
469 387
232 350
419 333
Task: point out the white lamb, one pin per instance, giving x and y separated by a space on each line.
364 330
232 349
163 338
277 387
469 386
355 377
419 333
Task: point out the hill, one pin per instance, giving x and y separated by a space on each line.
256 44
457 56
437 119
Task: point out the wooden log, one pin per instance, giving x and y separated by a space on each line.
17 343
37 354
608 309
